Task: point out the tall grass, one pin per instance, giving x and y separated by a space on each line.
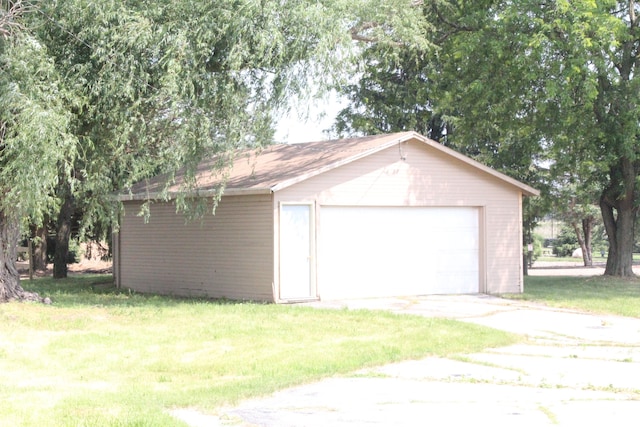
101 357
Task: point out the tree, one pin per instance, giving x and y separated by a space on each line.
33 138
137 88
38 235
576 204
394 92
571 68
566 242
10 12
587 82
528 80
583 219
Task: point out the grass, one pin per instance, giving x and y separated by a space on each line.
98 357
597 258
598 294
552 258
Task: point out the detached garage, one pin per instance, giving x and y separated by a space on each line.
386 215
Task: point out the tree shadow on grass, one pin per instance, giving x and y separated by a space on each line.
99 290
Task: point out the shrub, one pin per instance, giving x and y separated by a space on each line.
566 242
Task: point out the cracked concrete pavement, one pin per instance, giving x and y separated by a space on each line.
574 369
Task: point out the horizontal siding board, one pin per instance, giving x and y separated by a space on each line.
226 255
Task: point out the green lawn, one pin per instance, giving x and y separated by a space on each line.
98 357
600 294
597 258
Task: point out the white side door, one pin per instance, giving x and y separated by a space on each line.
297 243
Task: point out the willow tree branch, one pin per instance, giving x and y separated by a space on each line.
10 12
356 32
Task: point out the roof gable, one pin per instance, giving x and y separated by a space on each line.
279 166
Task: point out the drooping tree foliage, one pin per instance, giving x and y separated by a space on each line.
95 95
524 83
35 144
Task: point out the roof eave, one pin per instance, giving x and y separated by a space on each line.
526 189
199 193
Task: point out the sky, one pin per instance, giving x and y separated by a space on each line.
294 128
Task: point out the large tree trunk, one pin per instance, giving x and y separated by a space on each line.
619 216
63 234
620 230
10 288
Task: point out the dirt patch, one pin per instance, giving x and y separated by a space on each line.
101 267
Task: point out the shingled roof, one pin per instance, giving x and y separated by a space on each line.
281 165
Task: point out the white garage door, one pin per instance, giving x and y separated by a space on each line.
394 251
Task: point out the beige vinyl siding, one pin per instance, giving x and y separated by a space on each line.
504 247
428 177
226 255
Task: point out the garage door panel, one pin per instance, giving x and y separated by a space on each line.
464 237
449 264
392 251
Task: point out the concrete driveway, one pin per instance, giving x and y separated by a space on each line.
575 369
